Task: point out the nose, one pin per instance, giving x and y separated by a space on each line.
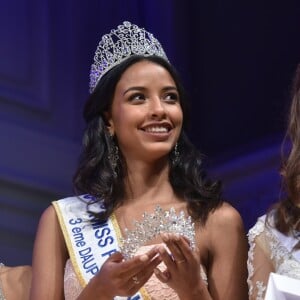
157 108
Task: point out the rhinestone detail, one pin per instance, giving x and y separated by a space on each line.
128 39
152 225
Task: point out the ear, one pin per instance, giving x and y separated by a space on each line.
109 123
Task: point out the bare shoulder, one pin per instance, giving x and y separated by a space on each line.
225 219
49 230
48 220
227 247
48 215
226 236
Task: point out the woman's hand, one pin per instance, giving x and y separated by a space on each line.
183 268
118 277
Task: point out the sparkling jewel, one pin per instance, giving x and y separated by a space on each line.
127 40
152 225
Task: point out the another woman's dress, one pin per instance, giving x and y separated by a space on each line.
270 251
15 282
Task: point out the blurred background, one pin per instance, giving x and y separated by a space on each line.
236 59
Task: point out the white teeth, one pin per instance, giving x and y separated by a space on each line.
156 129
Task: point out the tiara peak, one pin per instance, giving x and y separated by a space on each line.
118 45
152 225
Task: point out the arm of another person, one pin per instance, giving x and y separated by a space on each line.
15 282
49 258
227 274
259 264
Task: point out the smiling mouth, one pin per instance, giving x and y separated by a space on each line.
157 129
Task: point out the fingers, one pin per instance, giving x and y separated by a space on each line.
178 253
128 276
173 243
162 276
116 257
166 257
183 244
135 272
137 263
179 247
143 275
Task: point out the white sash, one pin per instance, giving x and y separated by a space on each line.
89 243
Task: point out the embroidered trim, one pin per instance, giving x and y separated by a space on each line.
253 233
283 259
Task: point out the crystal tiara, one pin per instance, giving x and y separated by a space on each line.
115 47
152 225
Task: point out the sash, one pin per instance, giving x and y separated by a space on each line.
89 243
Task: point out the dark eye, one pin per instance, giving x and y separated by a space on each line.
171 97
137 97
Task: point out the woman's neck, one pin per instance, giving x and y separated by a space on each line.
147 182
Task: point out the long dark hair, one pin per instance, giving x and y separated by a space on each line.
96 175
288 209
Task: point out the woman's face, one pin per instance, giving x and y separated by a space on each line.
146 115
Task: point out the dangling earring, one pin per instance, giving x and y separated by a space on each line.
175 155
113 155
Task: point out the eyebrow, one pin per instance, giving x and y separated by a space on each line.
134 88
140 88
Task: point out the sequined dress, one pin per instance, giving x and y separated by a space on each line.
270 251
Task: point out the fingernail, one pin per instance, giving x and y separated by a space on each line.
144 257
161 249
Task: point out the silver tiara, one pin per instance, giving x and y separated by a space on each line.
128 39
152 225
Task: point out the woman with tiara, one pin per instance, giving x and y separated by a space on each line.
275 238
145 222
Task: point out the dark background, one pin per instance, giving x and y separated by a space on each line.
236 59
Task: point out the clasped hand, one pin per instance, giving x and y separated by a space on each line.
125 277
182 271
